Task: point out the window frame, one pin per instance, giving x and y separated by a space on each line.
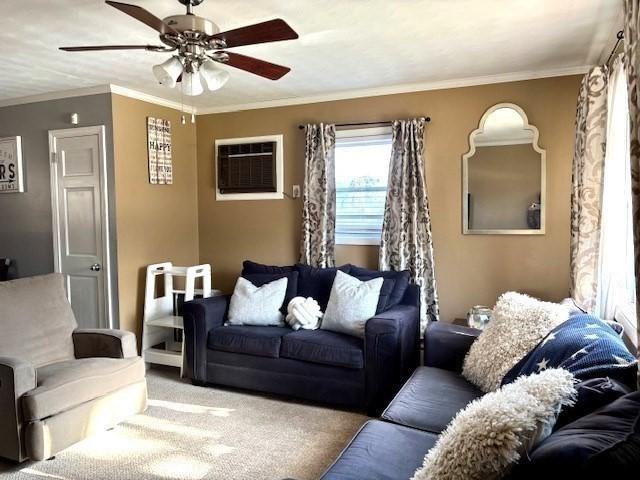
359 136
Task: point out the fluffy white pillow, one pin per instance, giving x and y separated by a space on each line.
352 302
251 305
518 324
489 436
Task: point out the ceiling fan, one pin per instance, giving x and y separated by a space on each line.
198 44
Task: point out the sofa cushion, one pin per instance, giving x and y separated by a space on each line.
400 280
250 340
325 347
584 345
64 385
259 306
36 320
382 451
603 444
252 267
260 279
430 399
317 282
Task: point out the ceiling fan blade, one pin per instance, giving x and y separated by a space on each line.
255 66
144 16
270 31
110 47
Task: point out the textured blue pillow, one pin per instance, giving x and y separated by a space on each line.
386 291
317 282
401 282
252 267
584 345
260 279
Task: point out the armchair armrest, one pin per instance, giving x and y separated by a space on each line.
446 345
17 377
200 317
97 342
391 353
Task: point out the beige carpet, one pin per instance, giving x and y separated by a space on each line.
193 432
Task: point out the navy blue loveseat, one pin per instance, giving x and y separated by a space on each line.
316 365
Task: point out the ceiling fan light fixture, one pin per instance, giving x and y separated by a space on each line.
192 84
214 77
168 72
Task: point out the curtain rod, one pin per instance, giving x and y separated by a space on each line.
619 37
358 124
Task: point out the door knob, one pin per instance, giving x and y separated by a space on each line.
95 267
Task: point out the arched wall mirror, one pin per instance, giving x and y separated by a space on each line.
503 176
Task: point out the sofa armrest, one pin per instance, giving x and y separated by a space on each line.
102 342
391 353
17 377
200 317
446 345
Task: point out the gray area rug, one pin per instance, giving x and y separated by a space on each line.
192 432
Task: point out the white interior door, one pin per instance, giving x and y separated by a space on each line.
80 237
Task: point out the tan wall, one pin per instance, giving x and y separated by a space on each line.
155 222
470 269
503 181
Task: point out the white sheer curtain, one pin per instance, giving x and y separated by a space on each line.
616 281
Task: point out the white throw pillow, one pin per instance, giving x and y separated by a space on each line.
490 435
251 305
352 302
518 324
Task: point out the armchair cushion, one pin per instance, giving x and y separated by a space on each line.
67 384
36 320
325 347
94 342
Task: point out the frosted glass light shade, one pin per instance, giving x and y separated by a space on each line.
191 84
167 73
213 76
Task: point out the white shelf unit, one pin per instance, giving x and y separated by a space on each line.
160 318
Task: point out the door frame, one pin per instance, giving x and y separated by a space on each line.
104 206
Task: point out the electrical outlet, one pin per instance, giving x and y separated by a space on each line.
296 191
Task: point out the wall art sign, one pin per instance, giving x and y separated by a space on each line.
11 178
160 159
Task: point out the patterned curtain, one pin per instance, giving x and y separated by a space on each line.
319 197
632 67
406 231
586 194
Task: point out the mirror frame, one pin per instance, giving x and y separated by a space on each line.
465 177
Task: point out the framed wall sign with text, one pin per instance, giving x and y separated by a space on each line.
11 178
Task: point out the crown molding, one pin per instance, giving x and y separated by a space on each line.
328 97
145 97
61 94
97 90
395 89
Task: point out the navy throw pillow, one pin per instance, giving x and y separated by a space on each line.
604 444
386 291
317 282
401 282
584 345
259 279
592 395
252 267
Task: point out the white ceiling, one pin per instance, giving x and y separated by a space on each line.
355 46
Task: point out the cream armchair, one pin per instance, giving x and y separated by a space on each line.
59 384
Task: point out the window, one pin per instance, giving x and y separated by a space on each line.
362 170
616 281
